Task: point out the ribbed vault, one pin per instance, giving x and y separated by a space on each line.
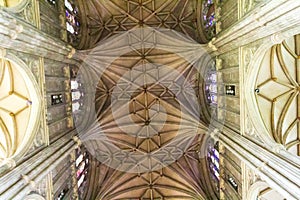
148 132
185 179
105 18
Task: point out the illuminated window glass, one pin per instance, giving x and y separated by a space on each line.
80 181
72 21
74 85
70 28
76 95
213 160
211 87
208 15
81 163
75 106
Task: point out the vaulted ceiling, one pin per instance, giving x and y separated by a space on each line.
149 148
103 18
184 180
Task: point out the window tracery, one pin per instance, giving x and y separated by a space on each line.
72 21
81 164
213 160
211 87
208 17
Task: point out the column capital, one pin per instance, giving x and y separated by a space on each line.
211 45
77 140
71 53
277 38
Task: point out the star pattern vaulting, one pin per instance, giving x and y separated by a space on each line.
149 140
106 18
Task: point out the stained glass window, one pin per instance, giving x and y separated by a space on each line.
72 21
76 91
211 88
81 163
209 19
213 160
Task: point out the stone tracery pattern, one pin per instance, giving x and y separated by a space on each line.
10 112
15 109
277 89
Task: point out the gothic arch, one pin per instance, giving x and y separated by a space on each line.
265 93
20 108
261 190
254 190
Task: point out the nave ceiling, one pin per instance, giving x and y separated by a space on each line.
103 18
152 106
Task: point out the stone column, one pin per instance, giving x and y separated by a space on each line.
22 179
281 175
266 19
15 33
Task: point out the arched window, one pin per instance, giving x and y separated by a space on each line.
81 164
211 87
77 95
208 18
72 21
76 106
213 160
